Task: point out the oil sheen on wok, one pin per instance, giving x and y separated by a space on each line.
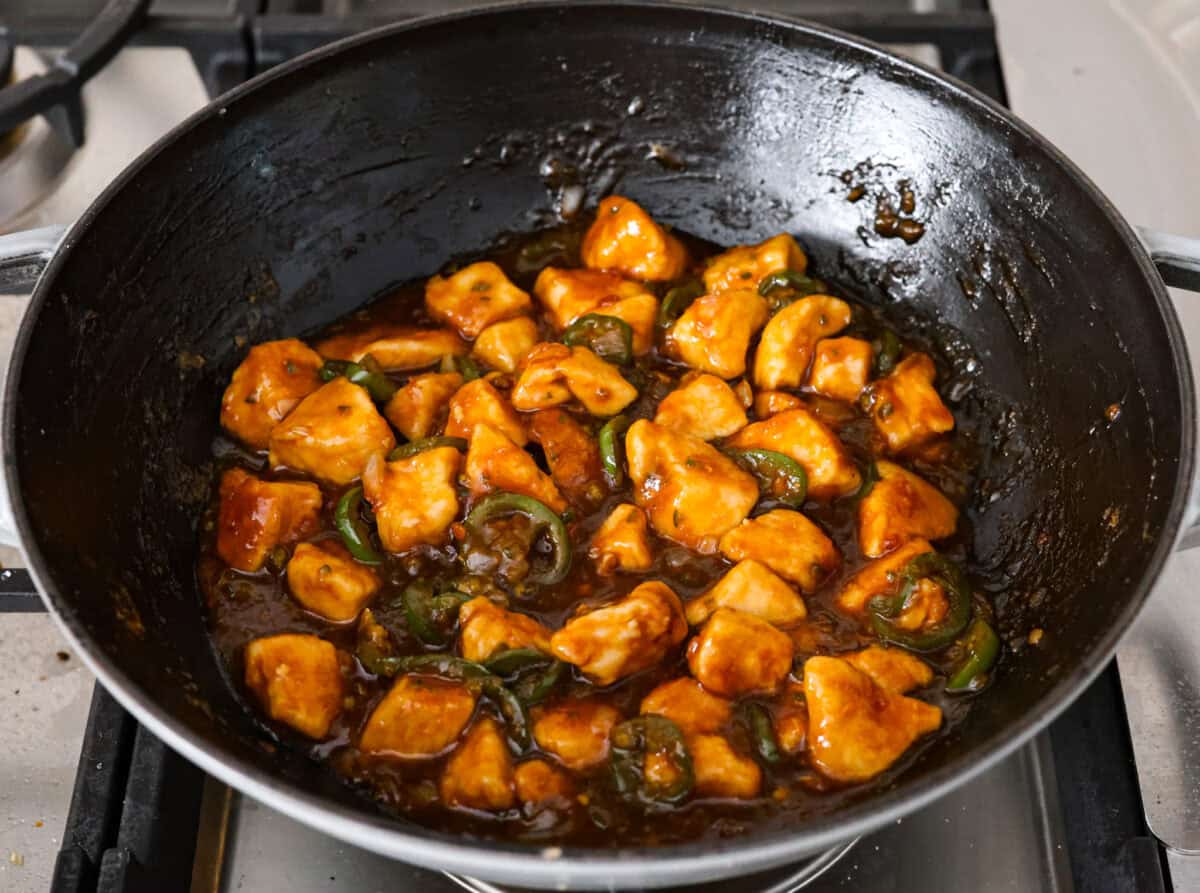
609 537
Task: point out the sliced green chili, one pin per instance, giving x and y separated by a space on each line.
428 615
533 688
889 352
779 477
607 337
798 282
514 660
609 442
366 373
635 739
981 647
678 300
762 732
462 364
352 528
406 450
954 583
332 369
869 475
375 661
503 503
510 706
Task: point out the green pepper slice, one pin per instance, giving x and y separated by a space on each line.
608 441
514 660
366 373
607 337
889 352
533 688
953 581
981 647
462 364
762 733
352 528
678 300
428 614
798 282
779 477
632 741
502 503
407 450
869 475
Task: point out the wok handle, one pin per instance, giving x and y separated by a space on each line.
23 257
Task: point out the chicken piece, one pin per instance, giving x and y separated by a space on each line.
880 577
540 781
479 401
494 462
787 344
623 541
570 294
298 681
926 607
750 588
786 542
789 718
746 265
504 345
799 434
620 639
736 654
899 507
721 771
326 580
905 405
892 669
420 407
572 454
576 731
768 403
625 240
841 368
414 499
554 373
474 298
479 774
685 702
273 378
714 332
487 628
418 717
692 493
257 515
331 434
704 407
395 348
859 728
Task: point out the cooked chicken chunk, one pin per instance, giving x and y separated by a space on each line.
893 669
789 718
841 368
786 542
685 702
420 407
331 434
768 403
487 628
926 607
504 345
572 454
736 654
576 731
540 781
273 378
789 339
298 681
746 265
570 294
257 515
479 774
623 541
631 634
474 298
750 588
880 577
478 401
714 332
799 434
494 462
906 407
326 580
859 728
704 407
625 240
721 771
691 493
899 507
395 348
554 373
418 717
414 499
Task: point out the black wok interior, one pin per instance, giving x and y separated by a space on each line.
310 193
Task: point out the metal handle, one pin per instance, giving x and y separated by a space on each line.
24 255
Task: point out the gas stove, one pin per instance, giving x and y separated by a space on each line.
90 801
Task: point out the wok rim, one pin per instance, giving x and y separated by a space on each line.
538 865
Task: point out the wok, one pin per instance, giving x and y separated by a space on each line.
295 198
